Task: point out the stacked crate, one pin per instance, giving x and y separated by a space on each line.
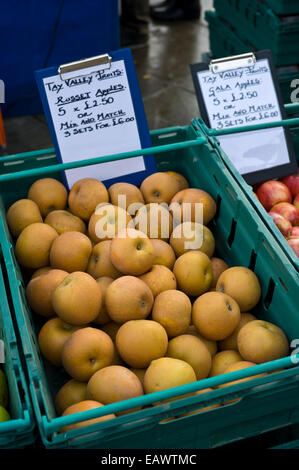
238 26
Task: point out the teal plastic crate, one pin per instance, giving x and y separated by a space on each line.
225 41
293 123
19 431
256 22
283 7
266 403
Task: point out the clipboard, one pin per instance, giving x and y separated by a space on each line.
260 161
85 76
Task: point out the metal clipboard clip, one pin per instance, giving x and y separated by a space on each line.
232 62
99 62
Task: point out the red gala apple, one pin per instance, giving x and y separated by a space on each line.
282 224
296 201
294 244
272 192
292 182
288 211
295 232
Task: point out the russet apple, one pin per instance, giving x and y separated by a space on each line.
22 213
159 187
128 298
242 285
192 236
70 393
49 194
159 278
32 248
155 220
193 272
222 360
192 350
77 299
215 315
172 309
84 406
288 211
231 341
70 252
235 367
85 195
271 192
211 345
141 341
100 264
192 205
103 316
65 221
283 225
261 341
218 266
107 221
86 351
52 337
126 195
164 253
292 182
39 291
167 372
113 384
182 181
132 252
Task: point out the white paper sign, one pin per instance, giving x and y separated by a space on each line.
93 116
243 97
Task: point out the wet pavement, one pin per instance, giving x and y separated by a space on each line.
162 66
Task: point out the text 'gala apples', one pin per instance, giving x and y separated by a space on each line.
113 384
261 341
215 315
22 213
70 252
190 349
49 194
141 341
33 245
132 252
128 298
77 299
84 406
172 309
85 195
193 272
85 352
242 285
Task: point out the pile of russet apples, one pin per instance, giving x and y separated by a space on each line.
129 312
280 198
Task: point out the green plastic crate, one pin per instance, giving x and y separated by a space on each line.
263 29
284 7
19 431
225 41
293 124
266 403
